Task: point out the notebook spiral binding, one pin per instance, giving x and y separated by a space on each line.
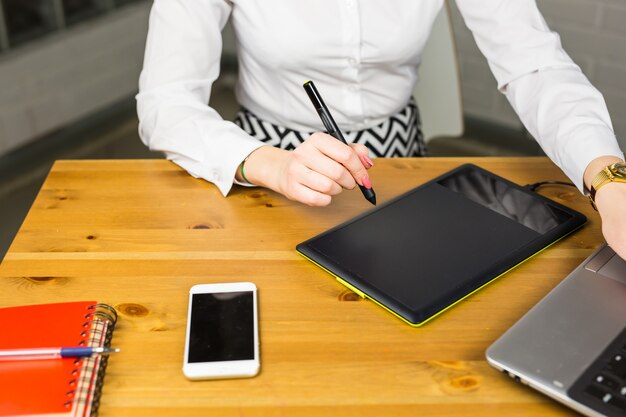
88 374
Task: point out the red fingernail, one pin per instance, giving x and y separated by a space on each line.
367 158
366 182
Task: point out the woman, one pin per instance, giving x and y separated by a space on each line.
363 55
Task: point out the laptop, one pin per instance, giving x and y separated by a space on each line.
572 345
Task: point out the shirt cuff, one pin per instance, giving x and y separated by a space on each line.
594 143
227 179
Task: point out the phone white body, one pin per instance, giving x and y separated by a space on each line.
222 339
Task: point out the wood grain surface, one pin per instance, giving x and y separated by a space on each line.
139 234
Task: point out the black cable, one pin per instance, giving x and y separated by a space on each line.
533 187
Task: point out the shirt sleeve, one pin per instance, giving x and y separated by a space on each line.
553 98
181 62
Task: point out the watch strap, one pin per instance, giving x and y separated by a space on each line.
599 180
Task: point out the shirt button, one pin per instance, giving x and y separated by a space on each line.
216 175
367 120
352 61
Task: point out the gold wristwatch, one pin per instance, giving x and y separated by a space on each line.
614 172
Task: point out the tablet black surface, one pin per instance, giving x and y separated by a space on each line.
425 250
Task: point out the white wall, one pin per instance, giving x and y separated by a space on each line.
49 83
593 32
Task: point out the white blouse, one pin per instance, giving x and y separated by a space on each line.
364 56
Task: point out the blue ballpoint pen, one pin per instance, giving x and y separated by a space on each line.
54 353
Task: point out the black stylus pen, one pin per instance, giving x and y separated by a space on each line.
332 128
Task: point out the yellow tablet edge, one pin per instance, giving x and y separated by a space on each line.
363 295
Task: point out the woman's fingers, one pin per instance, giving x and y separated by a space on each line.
317 181
363 154
318 162
320 168
342 154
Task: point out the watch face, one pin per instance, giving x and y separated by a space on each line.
620 170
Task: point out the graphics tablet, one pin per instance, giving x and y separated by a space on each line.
427 249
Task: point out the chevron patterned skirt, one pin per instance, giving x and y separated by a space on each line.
400 135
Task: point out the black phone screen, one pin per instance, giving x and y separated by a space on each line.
222 327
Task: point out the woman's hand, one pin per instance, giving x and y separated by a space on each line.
611 203
314 172
610 200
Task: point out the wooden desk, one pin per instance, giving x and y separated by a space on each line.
139 234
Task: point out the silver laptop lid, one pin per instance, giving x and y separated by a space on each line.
559 338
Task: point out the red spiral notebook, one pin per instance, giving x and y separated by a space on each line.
54 387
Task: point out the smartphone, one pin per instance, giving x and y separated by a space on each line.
222 338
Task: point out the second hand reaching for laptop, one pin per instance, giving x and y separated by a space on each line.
333 129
